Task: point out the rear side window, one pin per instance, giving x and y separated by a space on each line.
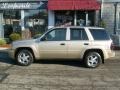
99 34
78 34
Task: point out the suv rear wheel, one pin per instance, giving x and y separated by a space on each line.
93 59
24 57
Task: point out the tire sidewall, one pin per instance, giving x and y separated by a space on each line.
29 53
93 53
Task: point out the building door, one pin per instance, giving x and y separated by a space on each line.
85 18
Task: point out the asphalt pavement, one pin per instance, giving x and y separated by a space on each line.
59 75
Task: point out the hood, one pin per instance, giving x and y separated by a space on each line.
24 42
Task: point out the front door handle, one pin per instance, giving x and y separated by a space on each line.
86 43
62 44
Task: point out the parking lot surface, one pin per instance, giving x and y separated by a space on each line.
59 75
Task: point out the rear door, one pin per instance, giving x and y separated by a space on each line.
78 42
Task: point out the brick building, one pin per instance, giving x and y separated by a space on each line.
110 13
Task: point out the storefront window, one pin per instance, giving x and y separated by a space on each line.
91 18
36 21
81 18
64 18
11 22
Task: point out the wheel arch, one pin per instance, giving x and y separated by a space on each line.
95 50
25 48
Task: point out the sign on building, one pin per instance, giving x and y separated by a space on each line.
28 5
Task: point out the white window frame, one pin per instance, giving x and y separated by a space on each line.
118 21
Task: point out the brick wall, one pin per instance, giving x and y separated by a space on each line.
118 18
108 16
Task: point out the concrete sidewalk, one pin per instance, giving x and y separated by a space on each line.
4 50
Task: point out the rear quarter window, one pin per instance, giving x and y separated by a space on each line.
99 34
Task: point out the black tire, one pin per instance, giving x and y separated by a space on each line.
24 57
92 59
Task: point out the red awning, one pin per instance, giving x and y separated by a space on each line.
73 5
60 5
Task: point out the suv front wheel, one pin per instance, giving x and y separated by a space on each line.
93 59
24 57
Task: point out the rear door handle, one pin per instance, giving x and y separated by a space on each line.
62 44
86 43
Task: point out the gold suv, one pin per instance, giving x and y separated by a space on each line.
90 44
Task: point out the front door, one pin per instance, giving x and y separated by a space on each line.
53 44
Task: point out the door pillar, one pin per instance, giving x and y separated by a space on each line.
86 18
22 20
75 18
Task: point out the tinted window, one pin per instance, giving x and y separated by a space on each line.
99 34
78 34
56 35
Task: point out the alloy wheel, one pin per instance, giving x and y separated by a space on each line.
24 57
93 59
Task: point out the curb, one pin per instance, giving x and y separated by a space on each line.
3 48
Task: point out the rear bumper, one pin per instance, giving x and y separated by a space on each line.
109 54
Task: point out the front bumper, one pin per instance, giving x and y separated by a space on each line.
11 53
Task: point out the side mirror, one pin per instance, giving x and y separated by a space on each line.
43 39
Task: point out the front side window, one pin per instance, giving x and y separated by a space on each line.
56 35
99 34
78 34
